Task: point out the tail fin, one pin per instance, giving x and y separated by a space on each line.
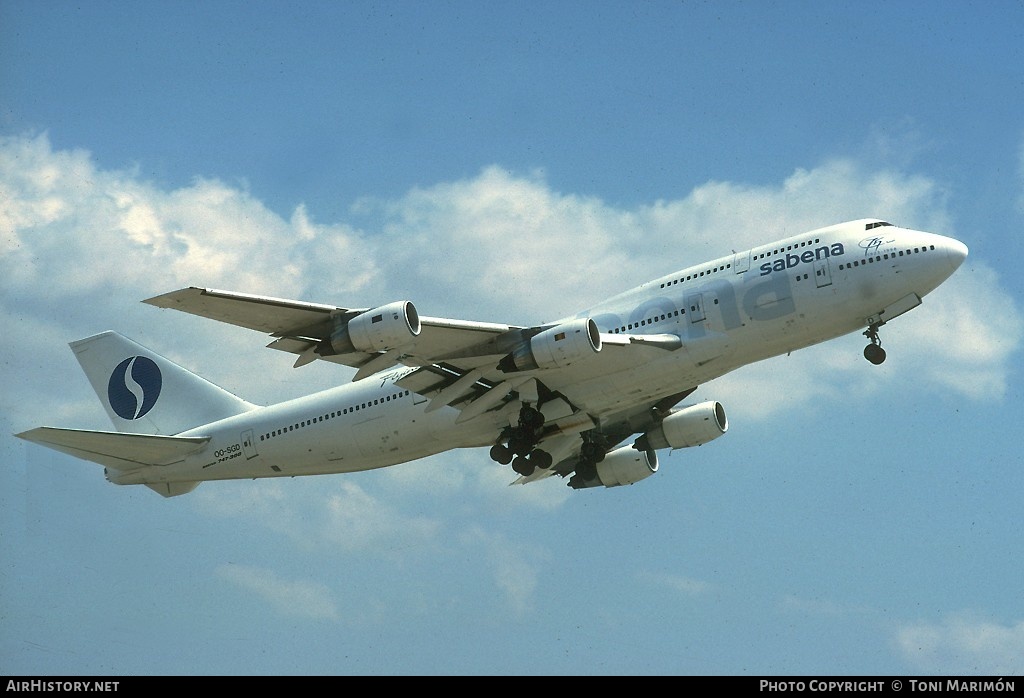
145 393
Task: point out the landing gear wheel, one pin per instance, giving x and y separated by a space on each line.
874 353
540 458
501 454
587 470
523 466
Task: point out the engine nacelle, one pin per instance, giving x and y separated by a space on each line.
390 326
555 347
623 466
690 426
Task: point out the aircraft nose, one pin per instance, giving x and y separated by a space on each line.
956 253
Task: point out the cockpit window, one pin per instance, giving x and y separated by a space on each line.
876 224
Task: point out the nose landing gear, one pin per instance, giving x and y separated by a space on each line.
874 351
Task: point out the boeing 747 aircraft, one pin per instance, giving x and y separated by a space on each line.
589 398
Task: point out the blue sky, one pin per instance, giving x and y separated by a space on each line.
514 163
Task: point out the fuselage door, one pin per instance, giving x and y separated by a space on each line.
695 307
822 272
249 445
741 262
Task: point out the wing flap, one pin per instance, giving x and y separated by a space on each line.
450 385
118 450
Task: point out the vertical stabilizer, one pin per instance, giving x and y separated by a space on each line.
145 393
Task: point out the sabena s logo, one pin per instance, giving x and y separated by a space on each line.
134 387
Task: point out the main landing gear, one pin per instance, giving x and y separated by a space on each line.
874 351
591 453
521 450
518 447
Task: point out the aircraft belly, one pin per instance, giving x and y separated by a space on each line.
636 385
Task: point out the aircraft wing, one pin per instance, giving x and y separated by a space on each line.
299 327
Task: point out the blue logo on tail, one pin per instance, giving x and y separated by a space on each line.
134 387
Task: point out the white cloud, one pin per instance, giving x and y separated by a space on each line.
963 645
515 566
519 248
290 597
960 347
322 514
357 520
337 515
473 470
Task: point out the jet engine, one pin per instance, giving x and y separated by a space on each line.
623 466
390 326
555 347
690 426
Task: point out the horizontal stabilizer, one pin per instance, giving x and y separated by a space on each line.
117 450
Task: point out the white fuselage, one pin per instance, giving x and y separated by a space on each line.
729 312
